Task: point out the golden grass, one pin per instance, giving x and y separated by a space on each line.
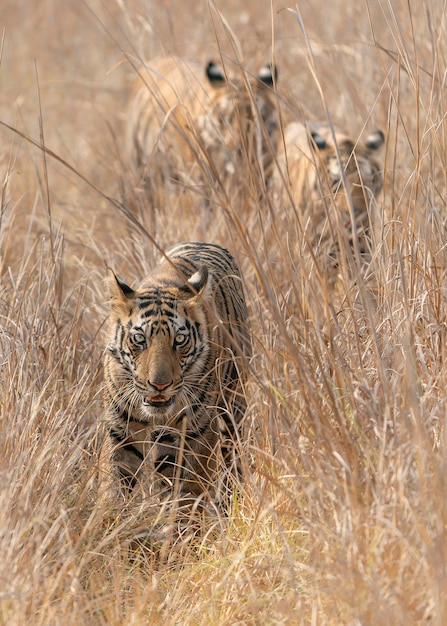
343 515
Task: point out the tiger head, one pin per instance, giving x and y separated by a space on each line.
342 161
332 181
319 161
185 119
159 347
241 118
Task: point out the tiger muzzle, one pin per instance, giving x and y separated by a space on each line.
157 401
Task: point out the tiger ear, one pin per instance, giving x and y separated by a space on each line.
199 280
375 140
120 292
268 74
214 74
318 140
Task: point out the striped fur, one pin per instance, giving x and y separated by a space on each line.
174 367
182 114
310 173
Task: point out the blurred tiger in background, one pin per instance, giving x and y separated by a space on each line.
332 181
189 123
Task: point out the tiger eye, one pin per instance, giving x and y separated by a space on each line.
180 339
138 338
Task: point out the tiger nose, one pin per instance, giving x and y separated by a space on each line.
160 386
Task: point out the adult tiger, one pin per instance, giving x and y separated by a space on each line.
174 367
184 118
314 165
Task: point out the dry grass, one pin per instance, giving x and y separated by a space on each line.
344 515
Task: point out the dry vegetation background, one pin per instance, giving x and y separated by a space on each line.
343 519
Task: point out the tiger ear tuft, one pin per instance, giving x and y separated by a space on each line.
198 281
214 73
119 290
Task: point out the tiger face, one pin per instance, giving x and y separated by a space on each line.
357 162
184 120
332 180
164 346
174 370
319 162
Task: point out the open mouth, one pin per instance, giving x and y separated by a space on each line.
157 401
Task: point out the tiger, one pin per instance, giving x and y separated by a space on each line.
187 123
175 366
314 162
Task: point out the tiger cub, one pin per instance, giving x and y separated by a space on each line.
186 122
175 367
314 165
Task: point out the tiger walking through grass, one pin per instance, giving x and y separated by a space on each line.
175 366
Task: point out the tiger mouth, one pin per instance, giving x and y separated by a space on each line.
157 401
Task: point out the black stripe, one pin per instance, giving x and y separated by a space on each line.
169 313
164 437
125 444
168 462
128 447
127 479
150 300
120 437
195 434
